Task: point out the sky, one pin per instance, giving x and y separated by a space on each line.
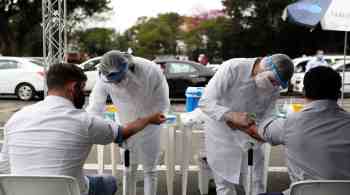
126 12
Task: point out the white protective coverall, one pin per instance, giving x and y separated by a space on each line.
232 89
143 92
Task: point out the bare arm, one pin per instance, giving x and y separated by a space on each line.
134 127
104 132
272 131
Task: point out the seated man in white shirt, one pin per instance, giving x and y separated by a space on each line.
55 136
317 138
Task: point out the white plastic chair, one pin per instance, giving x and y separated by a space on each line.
320 187
38 185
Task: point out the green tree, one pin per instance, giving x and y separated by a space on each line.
212 37
258 24
97 41
155 36
20 30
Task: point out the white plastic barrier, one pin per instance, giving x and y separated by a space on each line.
1 136
204 175
110 114
170 153
100 158
186 122
187 143
266 164
189 121
195 120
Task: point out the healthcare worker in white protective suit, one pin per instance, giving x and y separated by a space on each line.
241 93
137 87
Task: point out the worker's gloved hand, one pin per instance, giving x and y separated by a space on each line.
238 120
157 118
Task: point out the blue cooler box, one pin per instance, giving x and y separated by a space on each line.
193 94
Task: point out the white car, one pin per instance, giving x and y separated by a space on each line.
300 67
90 69
299 77
23 77
339 68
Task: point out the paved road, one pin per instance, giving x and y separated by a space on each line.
278 180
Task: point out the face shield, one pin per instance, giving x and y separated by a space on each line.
114 66
277 73
115 75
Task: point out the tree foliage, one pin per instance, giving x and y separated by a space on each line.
155 36
20 30
250 28
211 37
97 41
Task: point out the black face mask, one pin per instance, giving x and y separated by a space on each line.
79 96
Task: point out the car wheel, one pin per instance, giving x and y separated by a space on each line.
25 92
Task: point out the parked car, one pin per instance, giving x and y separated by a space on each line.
182 74
90 69
23 77
300 68
339 68
214 67
299 85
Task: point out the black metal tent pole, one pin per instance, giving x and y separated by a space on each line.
345 52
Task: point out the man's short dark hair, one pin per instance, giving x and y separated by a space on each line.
61 73
322 83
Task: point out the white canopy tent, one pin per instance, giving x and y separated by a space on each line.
337 18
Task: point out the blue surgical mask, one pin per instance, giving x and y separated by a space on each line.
115 76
